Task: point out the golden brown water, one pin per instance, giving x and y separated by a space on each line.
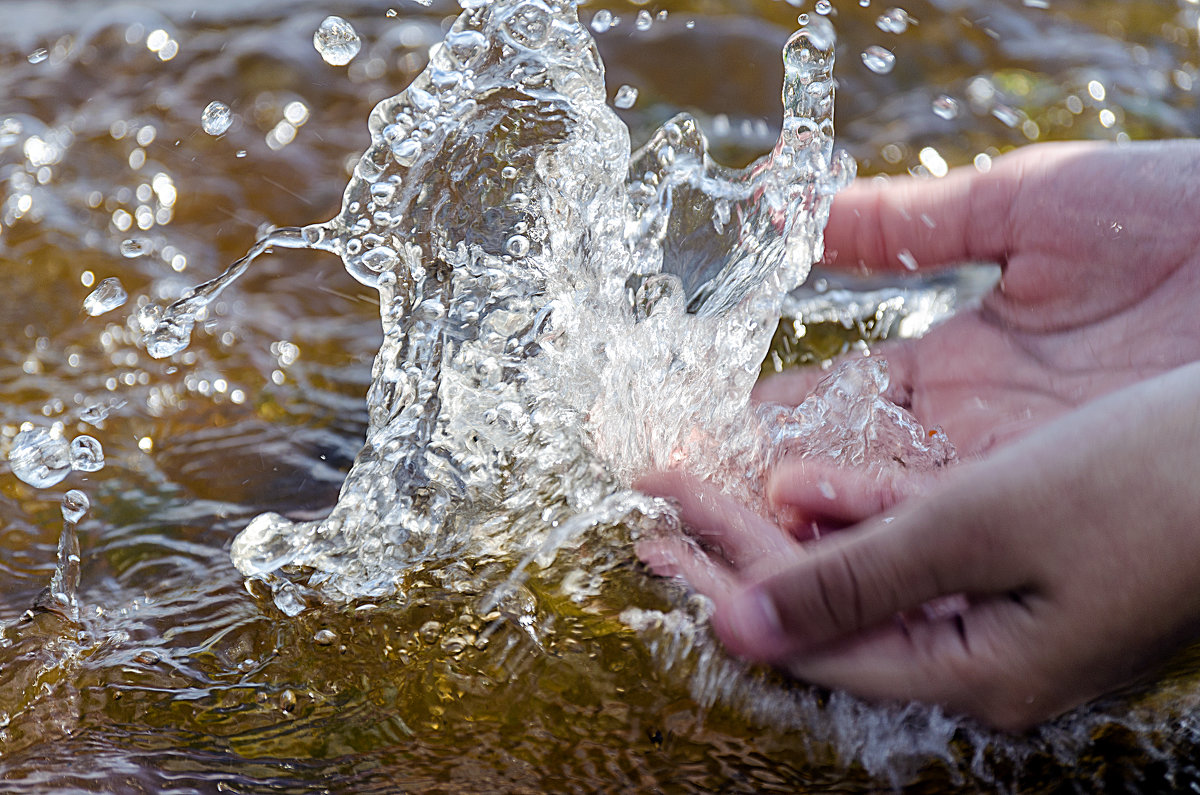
183 681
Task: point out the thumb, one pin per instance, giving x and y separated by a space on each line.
859 578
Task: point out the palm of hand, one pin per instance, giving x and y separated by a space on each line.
1101 280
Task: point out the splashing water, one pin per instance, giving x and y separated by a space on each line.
559 316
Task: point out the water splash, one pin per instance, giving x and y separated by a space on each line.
559 316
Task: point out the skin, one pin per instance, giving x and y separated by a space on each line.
1058 562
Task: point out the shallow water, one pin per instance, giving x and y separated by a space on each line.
184 682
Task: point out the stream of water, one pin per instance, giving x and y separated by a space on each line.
455 605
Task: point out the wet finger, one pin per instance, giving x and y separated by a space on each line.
822 490
975 663
716 520
857 579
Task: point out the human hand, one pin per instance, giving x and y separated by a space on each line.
1101 276
1077 549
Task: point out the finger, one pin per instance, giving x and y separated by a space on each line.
975 663
676 557
826 491
896 224
857 579
716 520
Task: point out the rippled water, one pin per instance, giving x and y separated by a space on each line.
179 679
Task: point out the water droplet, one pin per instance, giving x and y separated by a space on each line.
644 20
894 20
878 59
86 454
106 297
823 7
287 701
907 259
38 55
94 414
407 151
430 631
216 118
1006 115
508 172
147 657
517 245
169 337
626 96
602 21
134 247
39 458
75 505
325 637
337 41
945 107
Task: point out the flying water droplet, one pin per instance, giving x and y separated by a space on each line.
626 96
134 247
894 20
878 59
644 21
109 295
945 107
337 41
75 505
40 458
86 454
216 119
38 55
823 7
602 21
907 259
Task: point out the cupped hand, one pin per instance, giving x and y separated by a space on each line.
1100 253
1077 549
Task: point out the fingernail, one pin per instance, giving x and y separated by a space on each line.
753 621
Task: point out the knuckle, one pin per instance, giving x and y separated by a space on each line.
840 594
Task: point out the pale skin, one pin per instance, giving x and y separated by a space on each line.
1072 393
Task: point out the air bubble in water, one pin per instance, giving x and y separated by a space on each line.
75 505
217 118
86 454
106 297
945 107
602 21
626 96
517 245
134 247
337 41
40 458
407 151
878 59
894 20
